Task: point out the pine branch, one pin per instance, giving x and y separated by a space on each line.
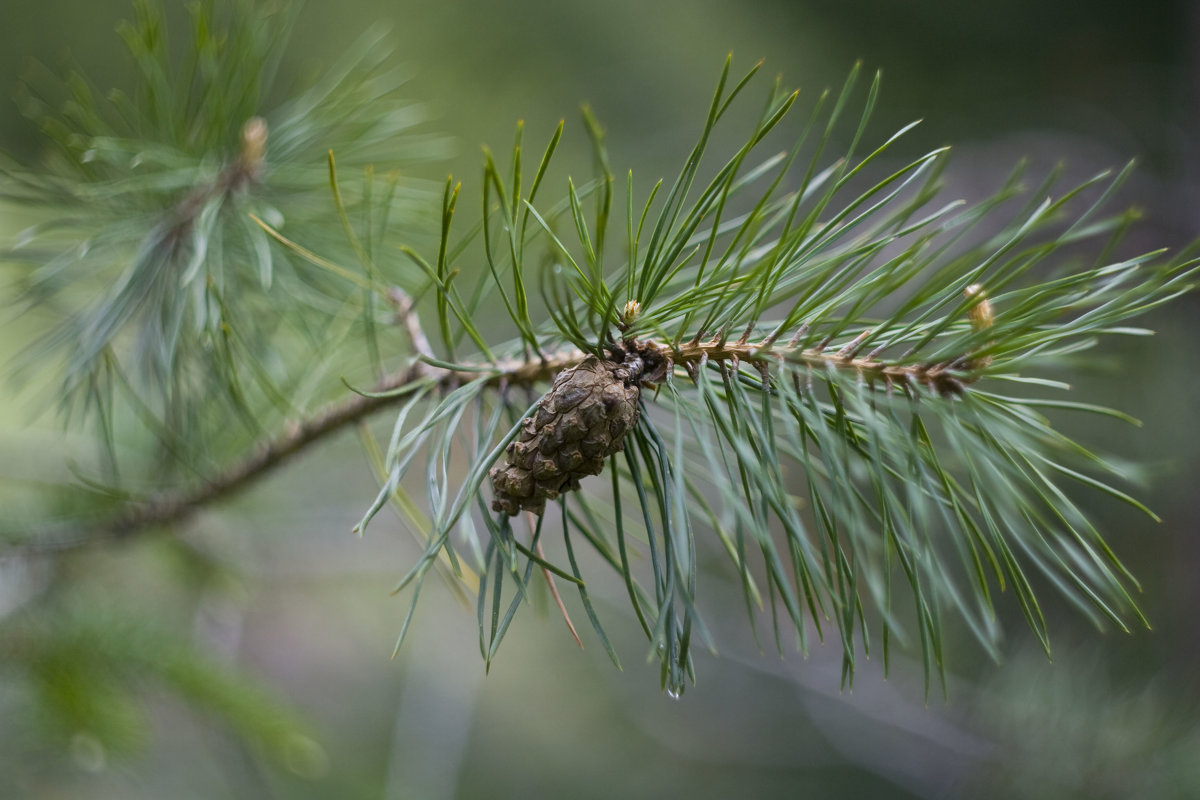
799 355
144 517
140 518
845 429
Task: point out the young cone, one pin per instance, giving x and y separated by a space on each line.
579 423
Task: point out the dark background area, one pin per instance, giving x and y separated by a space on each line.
1090 85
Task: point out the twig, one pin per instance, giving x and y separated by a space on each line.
177 506
407 317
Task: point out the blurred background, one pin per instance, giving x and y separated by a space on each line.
302 606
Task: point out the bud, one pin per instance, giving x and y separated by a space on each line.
254 145
980 314
981 318
633 309
578 424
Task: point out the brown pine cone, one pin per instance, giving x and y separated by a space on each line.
579 423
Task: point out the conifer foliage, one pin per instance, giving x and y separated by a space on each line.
808 360
844 385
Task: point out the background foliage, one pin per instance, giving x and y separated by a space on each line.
268 581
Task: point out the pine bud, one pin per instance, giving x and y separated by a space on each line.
633 310
981 317
254 147
578 424
979 314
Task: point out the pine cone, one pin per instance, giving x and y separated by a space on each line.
579 423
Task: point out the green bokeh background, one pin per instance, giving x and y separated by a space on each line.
1114 715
